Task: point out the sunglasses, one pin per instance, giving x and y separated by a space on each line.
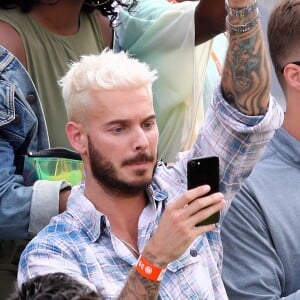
294 63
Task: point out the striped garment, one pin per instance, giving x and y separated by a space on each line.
80 242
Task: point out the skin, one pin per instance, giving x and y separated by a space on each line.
209 19
291 76
271 285
62 18
246 76
137 287
249 93
124 133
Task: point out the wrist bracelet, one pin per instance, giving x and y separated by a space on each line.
240 12
241 28
149 271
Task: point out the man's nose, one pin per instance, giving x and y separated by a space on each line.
140 140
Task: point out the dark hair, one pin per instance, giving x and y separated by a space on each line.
106 7
54 286
284 34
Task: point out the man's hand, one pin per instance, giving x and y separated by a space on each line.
177 228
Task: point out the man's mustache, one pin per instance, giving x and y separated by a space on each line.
142 157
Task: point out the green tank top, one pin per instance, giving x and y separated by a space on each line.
48 57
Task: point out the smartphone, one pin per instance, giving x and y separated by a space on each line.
201 171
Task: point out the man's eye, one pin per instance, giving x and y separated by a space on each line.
149 125
118 129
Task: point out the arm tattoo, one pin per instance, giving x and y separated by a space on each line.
246 75
139 288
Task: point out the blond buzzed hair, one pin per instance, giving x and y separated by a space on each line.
284 34
105 71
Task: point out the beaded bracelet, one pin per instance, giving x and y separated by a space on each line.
241 28
240 12
149 271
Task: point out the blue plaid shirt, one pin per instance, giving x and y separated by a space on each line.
80 242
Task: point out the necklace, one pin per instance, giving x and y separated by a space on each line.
131 249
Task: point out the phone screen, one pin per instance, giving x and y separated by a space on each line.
201 171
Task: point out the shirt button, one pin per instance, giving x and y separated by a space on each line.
16 120
31 99
193 252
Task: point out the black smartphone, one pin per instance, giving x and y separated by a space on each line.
201 171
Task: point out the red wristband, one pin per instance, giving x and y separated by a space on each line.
149 271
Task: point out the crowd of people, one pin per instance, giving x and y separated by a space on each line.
138 89
41 38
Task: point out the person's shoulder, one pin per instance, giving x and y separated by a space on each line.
11 40
62 229
105 28
62 224
262 176
269 158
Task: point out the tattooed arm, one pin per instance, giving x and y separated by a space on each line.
246 75
138 287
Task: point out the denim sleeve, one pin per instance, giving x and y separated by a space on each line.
23 207
44 203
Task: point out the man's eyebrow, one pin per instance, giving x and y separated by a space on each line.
117 121
126 121
151 117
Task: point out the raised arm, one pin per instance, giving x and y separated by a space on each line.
209 20
246 75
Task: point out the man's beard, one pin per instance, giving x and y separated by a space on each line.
106 175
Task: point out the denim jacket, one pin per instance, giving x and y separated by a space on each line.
24 210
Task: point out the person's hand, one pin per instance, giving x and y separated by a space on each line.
177 228
63 198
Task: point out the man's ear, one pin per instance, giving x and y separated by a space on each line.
76 136
292 76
